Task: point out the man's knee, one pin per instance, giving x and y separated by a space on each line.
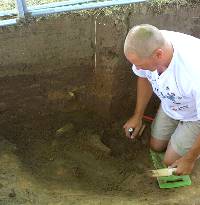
168 161
170 156
158 145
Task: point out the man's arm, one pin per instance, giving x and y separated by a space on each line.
194 152
144 93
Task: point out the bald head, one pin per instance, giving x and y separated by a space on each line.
143 40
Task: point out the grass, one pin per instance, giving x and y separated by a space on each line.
163 2
10 4
7 4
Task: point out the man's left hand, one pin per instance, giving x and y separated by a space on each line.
184 166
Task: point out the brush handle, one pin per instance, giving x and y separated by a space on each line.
141 130
172 171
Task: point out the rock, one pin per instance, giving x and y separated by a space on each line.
67 128
95 141
59 95
12 193
76 171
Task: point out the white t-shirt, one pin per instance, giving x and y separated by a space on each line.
178 87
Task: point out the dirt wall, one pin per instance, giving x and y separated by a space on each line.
116 84
45 68
75 61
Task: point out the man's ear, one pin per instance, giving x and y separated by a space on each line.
158 53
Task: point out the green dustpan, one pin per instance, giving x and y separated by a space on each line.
169 181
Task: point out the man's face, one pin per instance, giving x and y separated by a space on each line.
149 63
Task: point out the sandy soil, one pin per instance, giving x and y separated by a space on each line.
80 162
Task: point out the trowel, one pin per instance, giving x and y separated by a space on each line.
165 176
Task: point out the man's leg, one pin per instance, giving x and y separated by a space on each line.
158 145
161 130
181 141
170 155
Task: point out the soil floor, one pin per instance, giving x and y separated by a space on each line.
77 161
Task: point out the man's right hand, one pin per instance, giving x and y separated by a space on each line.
134 122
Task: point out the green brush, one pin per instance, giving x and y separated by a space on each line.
172 181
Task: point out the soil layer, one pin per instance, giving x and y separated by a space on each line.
81 161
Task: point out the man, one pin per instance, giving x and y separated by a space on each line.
168 64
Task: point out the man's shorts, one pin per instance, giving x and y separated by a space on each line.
180 134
